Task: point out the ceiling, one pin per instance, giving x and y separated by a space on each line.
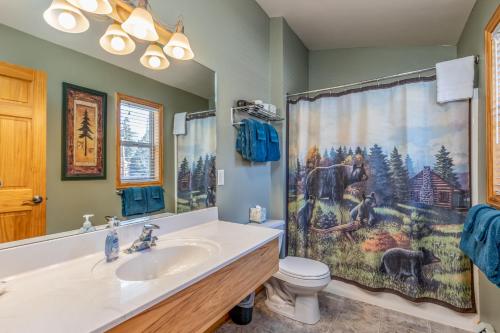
330 24
26 16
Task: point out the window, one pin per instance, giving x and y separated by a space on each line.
492 55
444 197
139 142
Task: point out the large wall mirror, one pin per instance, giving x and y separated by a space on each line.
87 132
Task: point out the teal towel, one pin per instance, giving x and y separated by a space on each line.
273 143
481 240
133 201
155 199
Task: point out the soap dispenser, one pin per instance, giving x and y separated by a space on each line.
112 246
87 224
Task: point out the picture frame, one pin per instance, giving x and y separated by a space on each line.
84 113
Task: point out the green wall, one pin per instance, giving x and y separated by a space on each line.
472 43
330 68
232 38
289 73
69 200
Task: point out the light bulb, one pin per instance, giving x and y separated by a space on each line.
178 52
117 43
66 20
89 5
154 62
140 31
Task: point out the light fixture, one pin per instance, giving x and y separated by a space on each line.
65 17
116 41
140 23
154 58
93 6
178 46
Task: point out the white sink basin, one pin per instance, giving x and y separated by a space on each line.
169 257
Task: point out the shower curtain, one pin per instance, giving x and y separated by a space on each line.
378 188
196 175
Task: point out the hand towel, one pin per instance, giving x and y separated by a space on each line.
133 201
259 142
155 199
455 79
180 123
273 144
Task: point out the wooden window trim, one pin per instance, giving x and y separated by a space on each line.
159 107
492 198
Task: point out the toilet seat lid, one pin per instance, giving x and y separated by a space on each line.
304 268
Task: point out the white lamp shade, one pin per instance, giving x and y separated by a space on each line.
154 58
93 6
116 41
65 17
140 24
178 47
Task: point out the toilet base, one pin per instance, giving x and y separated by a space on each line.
305 310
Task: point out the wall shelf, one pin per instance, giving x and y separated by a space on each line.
256 111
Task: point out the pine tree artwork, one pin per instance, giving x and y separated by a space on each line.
399 176
380 179
409 166
85 131
445 166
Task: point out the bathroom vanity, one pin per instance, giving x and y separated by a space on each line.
200 268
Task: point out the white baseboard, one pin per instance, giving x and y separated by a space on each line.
428 311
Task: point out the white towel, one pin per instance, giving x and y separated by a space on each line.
180 123
455 79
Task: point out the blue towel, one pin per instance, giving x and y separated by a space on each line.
242 145
273 144
155 200
259 142
471 216
481 240
491 253
251 140
133 201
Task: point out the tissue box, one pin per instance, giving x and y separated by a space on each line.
257 214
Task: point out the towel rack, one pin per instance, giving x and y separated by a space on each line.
256 111
119 192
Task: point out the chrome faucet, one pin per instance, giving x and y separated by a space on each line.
145 240
116 221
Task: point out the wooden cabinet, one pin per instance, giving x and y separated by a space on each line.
198 307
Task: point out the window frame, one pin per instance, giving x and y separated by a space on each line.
492 198
123 97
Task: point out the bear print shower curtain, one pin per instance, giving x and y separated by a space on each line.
196 178
378 188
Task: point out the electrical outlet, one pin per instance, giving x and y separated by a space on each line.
220 177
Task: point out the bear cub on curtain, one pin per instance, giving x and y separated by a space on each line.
402 264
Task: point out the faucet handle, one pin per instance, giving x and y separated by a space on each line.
151 226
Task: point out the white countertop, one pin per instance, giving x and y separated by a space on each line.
71 297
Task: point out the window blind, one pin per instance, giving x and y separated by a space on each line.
139 143
495 112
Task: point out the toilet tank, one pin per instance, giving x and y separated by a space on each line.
275 224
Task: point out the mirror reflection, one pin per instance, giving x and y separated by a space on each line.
99 123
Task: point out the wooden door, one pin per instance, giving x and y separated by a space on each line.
22 152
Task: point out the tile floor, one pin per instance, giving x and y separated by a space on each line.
338 315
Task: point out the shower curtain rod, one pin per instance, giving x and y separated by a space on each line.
476 60
199 112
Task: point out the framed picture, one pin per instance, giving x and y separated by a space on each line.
83 133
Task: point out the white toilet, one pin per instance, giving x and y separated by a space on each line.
293 290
